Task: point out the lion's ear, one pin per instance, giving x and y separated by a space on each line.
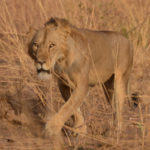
30 34
64 25
51 21
61 24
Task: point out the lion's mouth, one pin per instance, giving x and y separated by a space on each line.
43 70
43 74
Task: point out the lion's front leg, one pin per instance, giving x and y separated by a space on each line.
56 122
79 126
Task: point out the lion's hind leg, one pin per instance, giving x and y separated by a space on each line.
120 95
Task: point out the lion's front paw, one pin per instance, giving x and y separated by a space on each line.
82 130
54 125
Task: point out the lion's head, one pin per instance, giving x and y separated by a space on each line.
48 46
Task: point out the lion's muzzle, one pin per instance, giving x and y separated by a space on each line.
42 70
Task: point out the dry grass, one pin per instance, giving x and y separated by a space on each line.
20 91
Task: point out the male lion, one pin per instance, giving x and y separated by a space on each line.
80 58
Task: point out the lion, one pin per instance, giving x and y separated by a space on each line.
80 58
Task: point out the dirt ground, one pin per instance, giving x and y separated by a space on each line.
24 100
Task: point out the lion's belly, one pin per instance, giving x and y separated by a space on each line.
100 73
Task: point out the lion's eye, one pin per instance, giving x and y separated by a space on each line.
35 46
51 45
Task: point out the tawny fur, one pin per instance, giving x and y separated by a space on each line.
81 58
